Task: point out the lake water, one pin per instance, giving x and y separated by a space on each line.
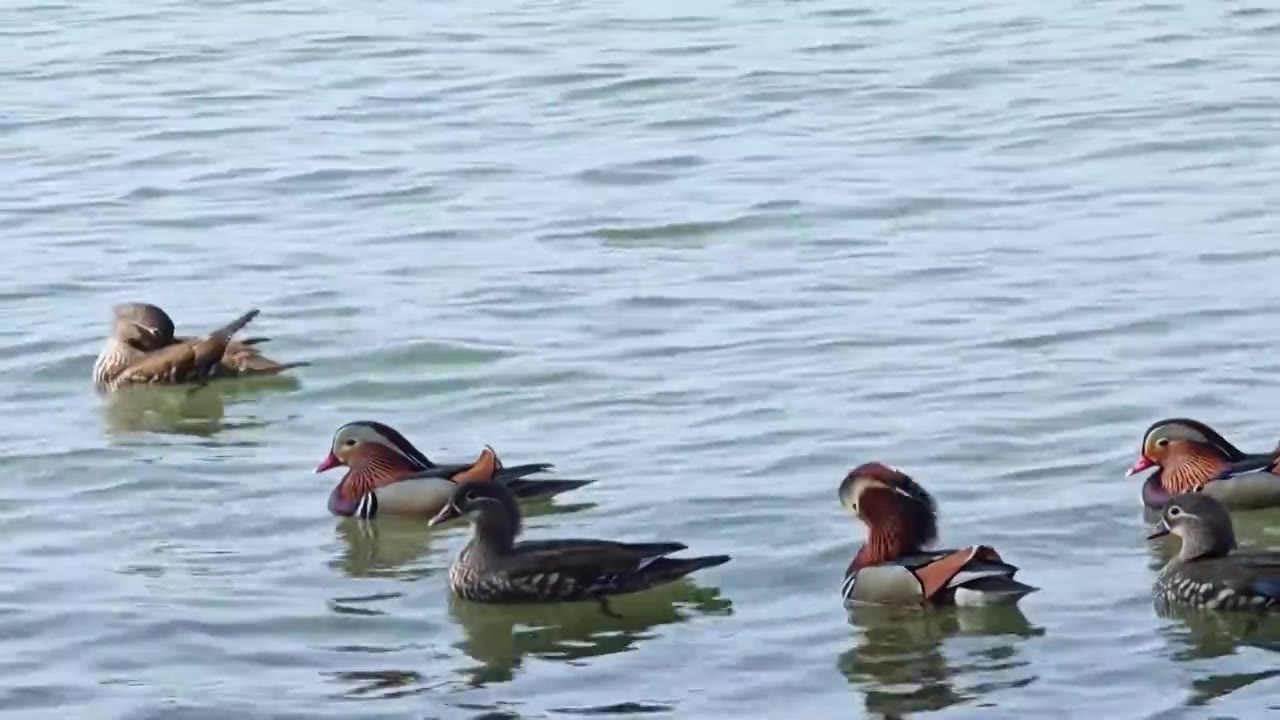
713 254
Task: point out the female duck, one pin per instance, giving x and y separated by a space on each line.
1189 455
143 349
387 474
1206 572
494 568
893 568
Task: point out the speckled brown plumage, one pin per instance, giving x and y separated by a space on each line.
192 361
143 349
1208 571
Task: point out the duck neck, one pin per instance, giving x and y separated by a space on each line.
494 532
883 545
1186 469
1203 544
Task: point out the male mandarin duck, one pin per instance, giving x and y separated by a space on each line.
893 568
387 474
1189 455
494 568
143 349
1207 572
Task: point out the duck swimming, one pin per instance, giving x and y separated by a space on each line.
494 568
1208 571
387 474
894 568
1189 455
142 349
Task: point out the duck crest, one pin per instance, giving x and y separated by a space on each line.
1211 436
900 515
402 443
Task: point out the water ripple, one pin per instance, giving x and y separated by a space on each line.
713 260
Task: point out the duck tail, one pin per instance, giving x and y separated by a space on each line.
527 489
992 590
519 471
235 325
668 569
276 368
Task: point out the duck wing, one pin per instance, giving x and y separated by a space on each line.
192 361
1263 574
1264 462
976 572
576 569
1240 580
1248 483
242 358
490 467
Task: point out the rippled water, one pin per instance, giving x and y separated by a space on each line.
713 254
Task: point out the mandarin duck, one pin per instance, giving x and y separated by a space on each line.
387 474
143 348
894 568
1189 455
494 568
1207 572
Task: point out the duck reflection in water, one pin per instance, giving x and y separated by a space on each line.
178 411
1218 596
1197 635
901 664
498 637
392 546
165 410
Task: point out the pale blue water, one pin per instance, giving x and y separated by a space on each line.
711 253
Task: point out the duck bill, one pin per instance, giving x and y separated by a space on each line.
1160 529
447 513
328 463
1142 463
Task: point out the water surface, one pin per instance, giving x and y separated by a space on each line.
713 254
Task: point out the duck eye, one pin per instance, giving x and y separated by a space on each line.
1175 511
1162 442
350 442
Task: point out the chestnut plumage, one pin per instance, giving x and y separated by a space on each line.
386 474
1189 456
894 567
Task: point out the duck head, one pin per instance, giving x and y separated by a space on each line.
141 325
1187 452
491 507
374 454
900 515
1201 522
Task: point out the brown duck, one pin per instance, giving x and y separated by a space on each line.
895 567
143 349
